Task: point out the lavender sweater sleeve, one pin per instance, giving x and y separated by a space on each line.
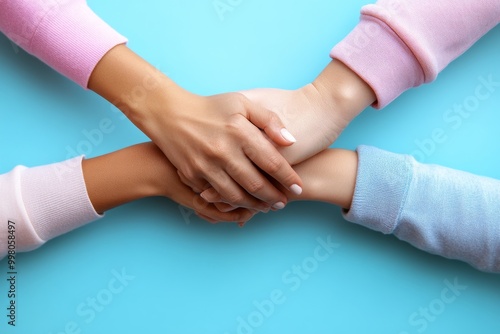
65 34
437 209
42 203
399 44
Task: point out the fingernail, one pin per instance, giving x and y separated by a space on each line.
296 189
202 195
287 135
264 207
279 205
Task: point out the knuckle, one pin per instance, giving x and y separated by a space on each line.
199 204
222 207
234 169
235 198
255 185
273 117
194 168
241 102
189 174
236 123
251 152
274 164
218 149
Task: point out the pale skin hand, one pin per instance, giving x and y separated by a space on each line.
210 140
141 171
316 113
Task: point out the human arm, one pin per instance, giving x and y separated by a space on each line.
443 211
47 201
211 140
66 35
398 44
318 112
141 171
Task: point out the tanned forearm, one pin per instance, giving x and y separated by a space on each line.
141 171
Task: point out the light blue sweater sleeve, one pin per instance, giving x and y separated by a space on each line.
440 210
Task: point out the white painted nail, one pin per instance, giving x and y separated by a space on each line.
287 135
279 205
296 189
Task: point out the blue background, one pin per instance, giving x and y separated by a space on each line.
192 277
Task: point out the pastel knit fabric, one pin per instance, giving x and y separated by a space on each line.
42 203
437 209
65 34
45 202
399 44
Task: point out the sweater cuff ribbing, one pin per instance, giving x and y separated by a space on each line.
381 187
72 39
55 198
377 55
16 232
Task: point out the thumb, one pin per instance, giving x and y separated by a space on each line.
271 124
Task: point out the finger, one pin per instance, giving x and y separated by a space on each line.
212 221
224 207
271 124
209 210
255 183
264 155
197 186
242 215
208 219
232 192
211 195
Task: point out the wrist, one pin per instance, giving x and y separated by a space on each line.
158 171
343 90
131 84
329 176
124 176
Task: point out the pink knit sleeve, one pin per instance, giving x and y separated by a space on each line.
399 44
65 34
41 203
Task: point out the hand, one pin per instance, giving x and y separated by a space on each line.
213 143
210 140
313 120
329 176
302 111
166 182
141 171
318 112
